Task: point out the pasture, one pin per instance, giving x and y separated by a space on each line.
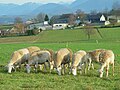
74 39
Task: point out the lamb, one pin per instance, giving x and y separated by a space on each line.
40 57
63 56
106 58
20 57
78 60
93 56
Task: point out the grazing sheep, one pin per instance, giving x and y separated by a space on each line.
33 49
39 57
20 57
106 58
63 56
93 56
78 59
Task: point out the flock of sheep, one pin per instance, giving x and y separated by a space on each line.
61 60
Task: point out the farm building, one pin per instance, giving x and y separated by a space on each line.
43 26
60 26
97 19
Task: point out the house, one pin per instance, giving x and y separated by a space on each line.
60 26
98 19
42 26
28 22
113 17
62 21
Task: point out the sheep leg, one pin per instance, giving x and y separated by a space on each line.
36 66
45 67
80 68
70 70
113 68
107 68
92 66
101 70
51 66
89 63
63 69
85 68
41 67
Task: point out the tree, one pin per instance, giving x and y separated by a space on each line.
71 19
115 9
19 25
89 30
54 19
18 20
116 5
80 14
46 18
40 17
93 12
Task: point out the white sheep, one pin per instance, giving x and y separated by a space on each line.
106 58
78 60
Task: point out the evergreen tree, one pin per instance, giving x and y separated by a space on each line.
46 18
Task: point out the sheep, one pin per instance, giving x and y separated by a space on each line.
33 49
40 57
20 57
62 57
78 59
93 56
106 58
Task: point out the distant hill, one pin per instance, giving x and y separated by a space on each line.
5 8
88 5
53 9
24 9
30 9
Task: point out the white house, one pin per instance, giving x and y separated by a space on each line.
60 26
42 26
102 18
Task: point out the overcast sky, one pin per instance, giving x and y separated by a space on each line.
38 1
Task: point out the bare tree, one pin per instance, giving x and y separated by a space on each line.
72 19
116 5
80 14
18 20
18 24
115 9
54 19
40 17
20 27
93 12
89 30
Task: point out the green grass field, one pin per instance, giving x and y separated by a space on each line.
74 39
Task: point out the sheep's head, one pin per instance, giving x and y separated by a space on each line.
74 71
9 68
59 70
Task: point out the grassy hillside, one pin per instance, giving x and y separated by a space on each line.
109 34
